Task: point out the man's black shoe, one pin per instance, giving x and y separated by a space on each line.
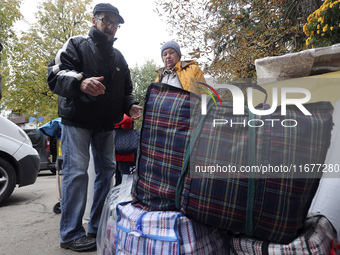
91 235
83 243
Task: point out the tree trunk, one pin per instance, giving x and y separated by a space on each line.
307 7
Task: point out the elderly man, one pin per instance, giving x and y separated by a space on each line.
93 82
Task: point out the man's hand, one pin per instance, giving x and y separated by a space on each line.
93 86
134 112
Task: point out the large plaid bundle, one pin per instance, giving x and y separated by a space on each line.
272 207
226 186
164 232
316 238
164 139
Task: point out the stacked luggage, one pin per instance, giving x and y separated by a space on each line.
315 238
176 209
164 232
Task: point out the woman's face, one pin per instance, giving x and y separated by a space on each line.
170 58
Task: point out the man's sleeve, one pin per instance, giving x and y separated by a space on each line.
64 75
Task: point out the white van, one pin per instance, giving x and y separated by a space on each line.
19 161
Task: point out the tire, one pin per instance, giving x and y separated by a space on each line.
56 208
7 180
53 170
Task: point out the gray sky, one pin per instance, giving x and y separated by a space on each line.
139 38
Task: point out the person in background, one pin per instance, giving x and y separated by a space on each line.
94 87
124 161
176 72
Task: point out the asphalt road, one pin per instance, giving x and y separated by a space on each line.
28 225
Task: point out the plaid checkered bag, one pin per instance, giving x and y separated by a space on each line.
316 238
164 232
164 139
271 207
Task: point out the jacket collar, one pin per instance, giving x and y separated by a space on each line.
183 64
100 38
179 66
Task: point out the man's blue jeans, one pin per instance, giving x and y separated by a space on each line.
75 144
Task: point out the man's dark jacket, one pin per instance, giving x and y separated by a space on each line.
93 56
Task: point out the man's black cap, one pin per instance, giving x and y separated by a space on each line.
107 8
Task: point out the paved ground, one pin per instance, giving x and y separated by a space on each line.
28 225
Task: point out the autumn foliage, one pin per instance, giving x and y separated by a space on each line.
227 36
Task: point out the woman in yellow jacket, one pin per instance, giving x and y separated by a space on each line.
176 72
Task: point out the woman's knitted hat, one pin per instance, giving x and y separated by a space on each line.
172 45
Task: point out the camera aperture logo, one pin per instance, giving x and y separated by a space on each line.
208 92
238 104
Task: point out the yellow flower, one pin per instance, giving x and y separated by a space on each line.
318 26
318 32
318 12
325 28
321 20
331 28
323 34
305 28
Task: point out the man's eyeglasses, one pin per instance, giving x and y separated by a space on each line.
108 22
